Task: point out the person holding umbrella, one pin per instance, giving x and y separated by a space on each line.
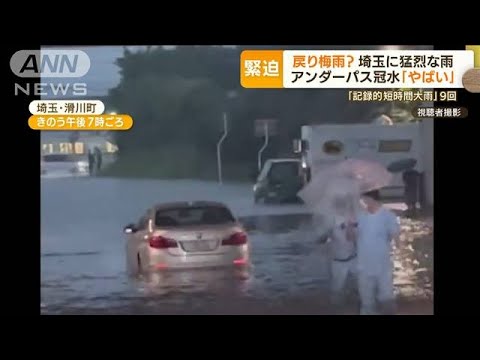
335 224
343 247
368 224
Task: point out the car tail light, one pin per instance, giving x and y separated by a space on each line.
238 238
240 261
160 242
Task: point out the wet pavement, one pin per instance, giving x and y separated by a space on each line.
83 259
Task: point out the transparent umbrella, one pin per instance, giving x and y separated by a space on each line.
349 178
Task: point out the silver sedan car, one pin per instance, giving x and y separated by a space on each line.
186 235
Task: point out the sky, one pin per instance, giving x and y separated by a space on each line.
103 74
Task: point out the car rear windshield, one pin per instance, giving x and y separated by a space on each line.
188 216
62 158
281 171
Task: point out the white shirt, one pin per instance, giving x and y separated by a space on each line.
342 248
374 243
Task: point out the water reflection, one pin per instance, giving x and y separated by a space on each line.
198 281
414 260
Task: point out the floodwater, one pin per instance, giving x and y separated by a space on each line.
83 259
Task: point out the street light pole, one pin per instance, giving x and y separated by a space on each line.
219 145
265 144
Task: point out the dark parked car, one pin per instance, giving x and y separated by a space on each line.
279 181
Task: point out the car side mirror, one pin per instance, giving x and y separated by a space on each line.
129 229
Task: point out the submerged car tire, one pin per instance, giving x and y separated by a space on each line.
138 264
134 266
271 200
259 200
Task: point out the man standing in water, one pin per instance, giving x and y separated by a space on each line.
411 179
377 227
91 162
341 231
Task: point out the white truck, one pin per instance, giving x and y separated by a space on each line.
321 145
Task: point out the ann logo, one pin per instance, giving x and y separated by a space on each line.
50 63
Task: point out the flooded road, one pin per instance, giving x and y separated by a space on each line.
83 258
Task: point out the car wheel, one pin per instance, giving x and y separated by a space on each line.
132 265
269 200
